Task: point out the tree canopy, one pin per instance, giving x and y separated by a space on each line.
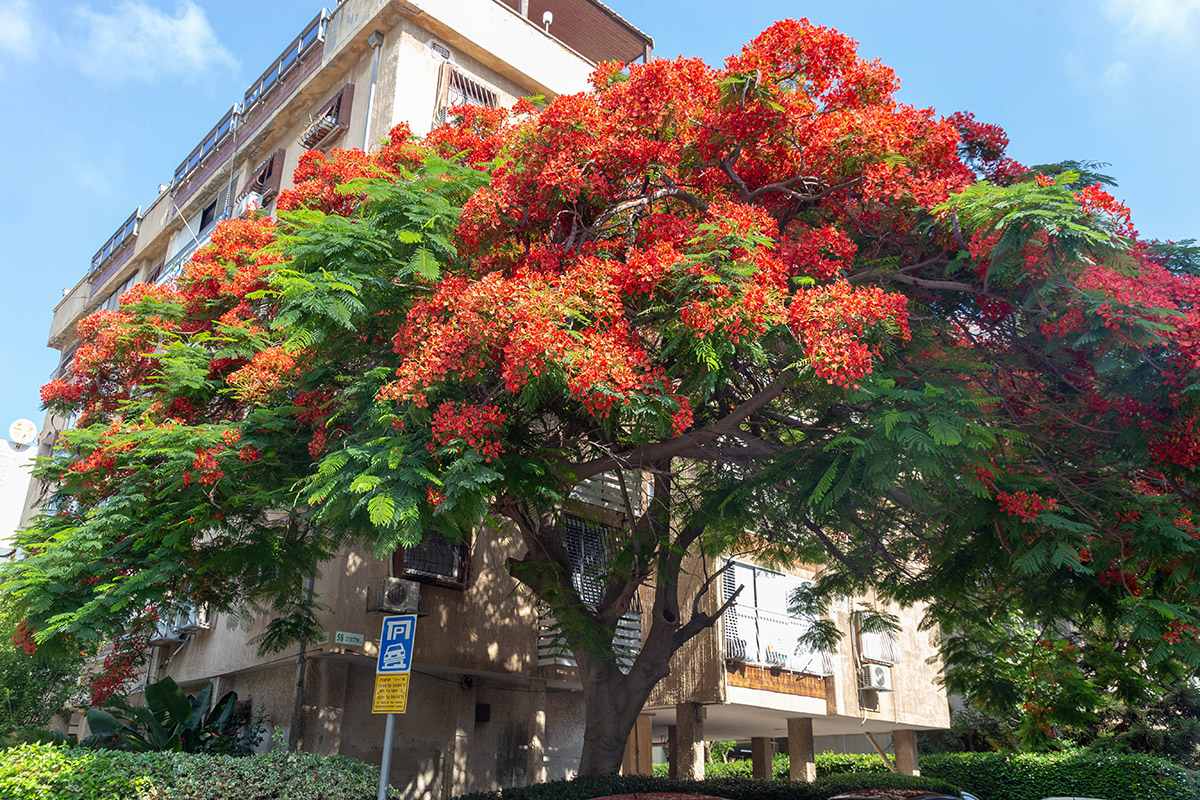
785 301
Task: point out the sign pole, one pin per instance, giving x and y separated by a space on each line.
392 673
385 766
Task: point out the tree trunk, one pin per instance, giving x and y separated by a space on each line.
612 702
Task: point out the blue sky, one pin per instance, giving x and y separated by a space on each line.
105 98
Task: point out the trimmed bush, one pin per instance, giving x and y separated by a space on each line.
731 788
44 772
1084 773
827 764
1008 776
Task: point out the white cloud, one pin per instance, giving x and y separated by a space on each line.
17 30
138 42
1116 74
1162 22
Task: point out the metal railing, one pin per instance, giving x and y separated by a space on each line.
768 638
313 33
124 233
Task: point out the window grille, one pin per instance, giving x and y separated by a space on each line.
435 560
456 89
878 647
587 544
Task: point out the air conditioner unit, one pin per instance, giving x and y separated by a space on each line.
877 677
195 619
398 596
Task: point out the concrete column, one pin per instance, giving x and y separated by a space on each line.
455 774
801 750
638 758
535 759
689 739
672 752
327 692
904 745
760 757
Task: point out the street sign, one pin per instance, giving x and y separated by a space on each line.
349 639
395 644
391 694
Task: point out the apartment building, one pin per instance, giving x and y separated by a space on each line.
493 700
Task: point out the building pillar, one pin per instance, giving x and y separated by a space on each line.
639 755
689 740
327 696
760 757
535 758
455 775
672 753
801 750
904 745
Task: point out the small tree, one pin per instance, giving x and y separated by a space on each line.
790 303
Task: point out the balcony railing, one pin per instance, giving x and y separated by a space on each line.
270 80
208 145
174 268
757 636
125 234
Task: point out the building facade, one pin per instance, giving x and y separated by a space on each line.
493 700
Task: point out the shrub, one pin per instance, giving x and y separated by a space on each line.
1031 776
845 763
731 788
43 772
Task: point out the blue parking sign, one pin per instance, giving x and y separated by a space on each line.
396 644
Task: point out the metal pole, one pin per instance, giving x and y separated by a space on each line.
385 764
376 41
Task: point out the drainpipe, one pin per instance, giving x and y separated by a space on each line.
376 41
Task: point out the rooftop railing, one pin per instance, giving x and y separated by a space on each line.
124 235
287 61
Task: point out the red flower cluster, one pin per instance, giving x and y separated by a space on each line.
1025 505
475 426
832 323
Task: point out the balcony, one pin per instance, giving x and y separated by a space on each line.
117 249
174 268
274 76
768 638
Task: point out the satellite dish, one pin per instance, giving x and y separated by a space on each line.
22 431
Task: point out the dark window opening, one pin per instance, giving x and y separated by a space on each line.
208 215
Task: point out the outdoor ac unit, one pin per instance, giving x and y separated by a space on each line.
195 619
877 677
398 596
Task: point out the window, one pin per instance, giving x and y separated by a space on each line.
436 560
113 301
587 546
330 122
880 647
456 89
208 215
265 180
758 627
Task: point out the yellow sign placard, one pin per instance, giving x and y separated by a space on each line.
391 694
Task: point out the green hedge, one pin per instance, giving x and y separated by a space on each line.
45 772
827 764
1012 776
1084 773
731 788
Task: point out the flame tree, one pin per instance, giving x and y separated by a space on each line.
794 304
